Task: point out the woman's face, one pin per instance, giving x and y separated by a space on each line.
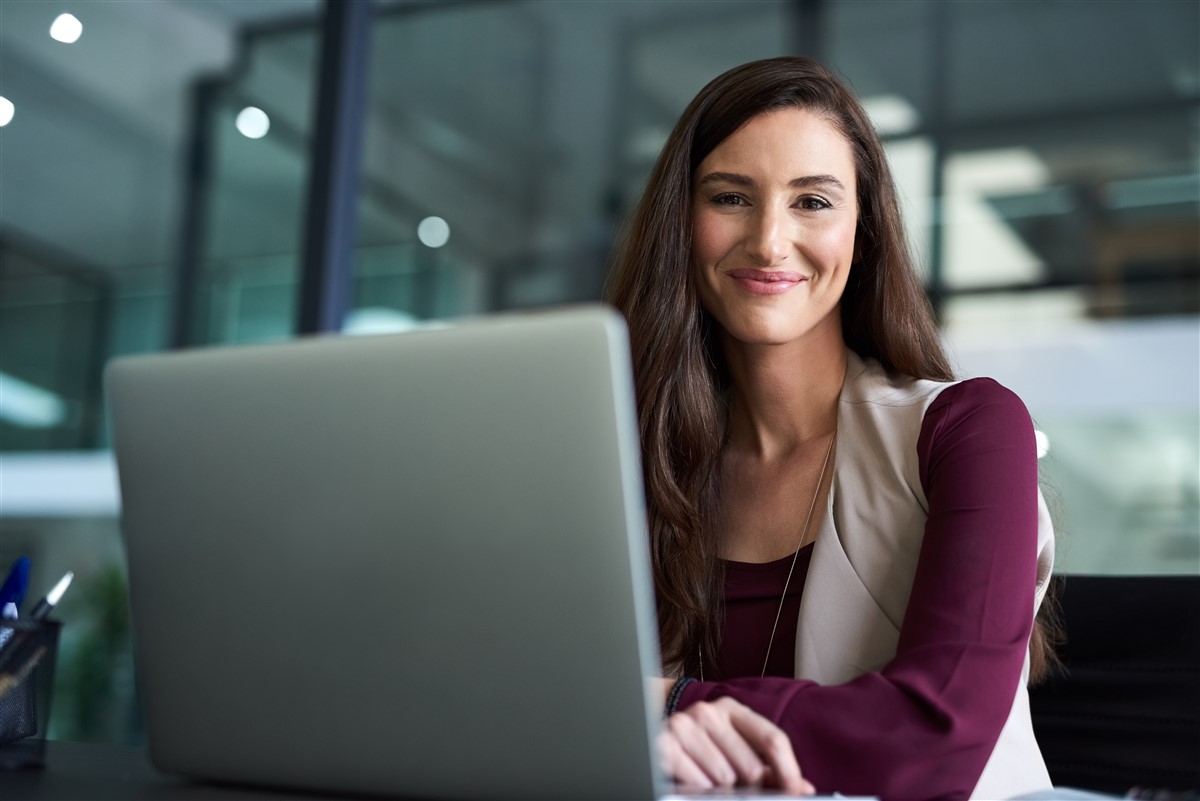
774 212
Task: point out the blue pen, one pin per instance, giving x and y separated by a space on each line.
13 589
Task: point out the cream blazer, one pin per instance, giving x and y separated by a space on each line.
866 552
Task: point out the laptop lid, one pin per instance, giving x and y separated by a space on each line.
412 564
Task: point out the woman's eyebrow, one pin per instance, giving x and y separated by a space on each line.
816 180
727 178
804 182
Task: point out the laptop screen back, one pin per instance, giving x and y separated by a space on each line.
412 564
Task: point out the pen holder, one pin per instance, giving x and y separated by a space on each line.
27 660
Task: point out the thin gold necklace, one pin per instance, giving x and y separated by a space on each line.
800 545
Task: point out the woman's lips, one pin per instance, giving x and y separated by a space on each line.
766 282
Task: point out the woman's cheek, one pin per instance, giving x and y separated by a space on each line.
707 236
834 243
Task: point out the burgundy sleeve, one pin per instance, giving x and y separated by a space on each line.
925 725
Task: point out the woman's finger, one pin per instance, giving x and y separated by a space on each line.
716 719
678 765
698 744
772 745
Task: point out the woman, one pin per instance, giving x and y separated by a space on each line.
849 547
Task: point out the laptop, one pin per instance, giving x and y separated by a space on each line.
411 564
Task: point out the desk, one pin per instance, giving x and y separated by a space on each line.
101 772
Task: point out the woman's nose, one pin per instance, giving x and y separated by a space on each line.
766 241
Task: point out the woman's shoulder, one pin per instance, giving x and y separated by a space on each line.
869 381
979 394
977 412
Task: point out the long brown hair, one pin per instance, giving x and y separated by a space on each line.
678 367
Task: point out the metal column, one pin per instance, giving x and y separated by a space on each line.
332 205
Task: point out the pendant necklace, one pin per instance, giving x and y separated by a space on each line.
803 533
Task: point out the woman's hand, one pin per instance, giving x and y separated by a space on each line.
724 743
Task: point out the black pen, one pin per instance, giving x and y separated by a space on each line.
52 598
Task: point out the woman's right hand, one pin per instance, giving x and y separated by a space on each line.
724 743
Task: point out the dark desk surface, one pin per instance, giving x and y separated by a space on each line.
96 772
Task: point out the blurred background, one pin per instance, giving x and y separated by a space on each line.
155 160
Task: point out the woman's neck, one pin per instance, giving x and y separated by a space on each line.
784 396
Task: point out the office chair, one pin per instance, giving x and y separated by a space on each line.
1124 711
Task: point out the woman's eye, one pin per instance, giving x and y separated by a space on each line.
728 200
812 203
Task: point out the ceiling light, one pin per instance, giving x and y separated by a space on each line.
66 29
7 109
433 232
253 123
28 406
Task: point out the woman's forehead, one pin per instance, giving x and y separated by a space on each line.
784 144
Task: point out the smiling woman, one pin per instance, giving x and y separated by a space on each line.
849 546
774 216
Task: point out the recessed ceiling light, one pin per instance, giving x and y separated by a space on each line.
7 109
66 28
253 123
433 232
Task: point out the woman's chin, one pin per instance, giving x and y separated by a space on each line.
765 336
773 330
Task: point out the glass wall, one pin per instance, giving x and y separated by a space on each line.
455 166
1047 156
247 189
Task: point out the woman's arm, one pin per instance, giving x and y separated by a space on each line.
925 725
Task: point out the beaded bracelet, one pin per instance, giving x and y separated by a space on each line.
676 693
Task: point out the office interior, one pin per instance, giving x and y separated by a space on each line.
154 175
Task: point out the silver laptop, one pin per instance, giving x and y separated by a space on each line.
410 564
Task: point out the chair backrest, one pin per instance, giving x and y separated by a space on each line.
1125 710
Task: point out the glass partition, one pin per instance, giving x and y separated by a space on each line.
455 165
250 199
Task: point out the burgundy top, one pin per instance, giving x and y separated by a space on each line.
752 592
925 725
